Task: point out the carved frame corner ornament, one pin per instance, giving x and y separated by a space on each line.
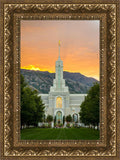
12 12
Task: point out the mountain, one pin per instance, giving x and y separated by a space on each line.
42 81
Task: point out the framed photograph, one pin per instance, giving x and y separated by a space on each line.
60 76
52 70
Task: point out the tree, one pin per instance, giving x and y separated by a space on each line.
39 112
28 107
89 112
63 120
32 108
49 118
69 118
55 120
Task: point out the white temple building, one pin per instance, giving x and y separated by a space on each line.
59 102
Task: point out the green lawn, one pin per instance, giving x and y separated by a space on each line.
59 134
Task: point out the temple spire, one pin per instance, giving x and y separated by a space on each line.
59 49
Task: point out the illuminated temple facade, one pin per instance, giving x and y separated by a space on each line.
59 102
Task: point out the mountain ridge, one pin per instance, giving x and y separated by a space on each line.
42 80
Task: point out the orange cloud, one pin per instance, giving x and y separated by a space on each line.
79 46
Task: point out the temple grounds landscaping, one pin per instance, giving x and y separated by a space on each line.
59 134
36 125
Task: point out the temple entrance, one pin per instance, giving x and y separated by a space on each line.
75 118
59 119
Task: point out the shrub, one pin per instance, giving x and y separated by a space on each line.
68 125
69 118
49 126
49 118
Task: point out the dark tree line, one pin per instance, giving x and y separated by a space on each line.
32 107
89 113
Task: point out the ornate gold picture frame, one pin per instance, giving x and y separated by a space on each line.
108 13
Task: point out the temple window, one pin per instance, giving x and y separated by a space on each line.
59 102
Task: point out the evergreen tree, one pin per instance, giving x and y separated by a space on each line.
89 112
69 118
55 120
32 108
49 118
63 120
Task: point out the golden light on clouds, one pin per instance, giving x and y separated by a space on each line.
79 47
31 67
34 68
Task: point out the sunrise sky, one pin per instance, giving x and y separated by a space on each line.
79 45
